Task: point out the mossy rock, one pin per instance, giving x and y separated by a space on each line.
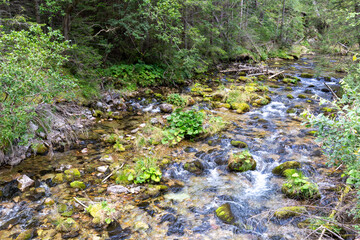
68 225
311 133
225 214
261 101
301 96
287 212
298 187
156 190
241 162
288 89
244 79
78 184
27 234
279 170
59 178
240 107
238 144
290 81
291 110
290 96
307 75
327 110
195 167
72 174
97 212
98 114
218 97
40 148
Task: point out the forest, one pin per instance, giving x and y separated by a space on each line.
143 88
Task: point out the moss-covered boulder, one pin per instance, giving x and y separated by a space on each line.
297 186
27 234
302 96
59 178
240 107
218 97
40 148
287 212
72 174
307 75
238 144
279 170
196 167
241 162
290 81
224 213
289 96
78 184
261 101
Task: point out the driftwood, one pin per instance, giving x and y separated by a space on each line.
251 70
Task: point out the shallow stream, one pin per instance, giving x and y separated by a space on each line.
186 211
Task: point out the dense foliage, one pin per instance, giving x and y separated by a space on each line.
30 75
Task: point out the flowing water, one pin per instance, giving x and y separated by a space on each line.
272 134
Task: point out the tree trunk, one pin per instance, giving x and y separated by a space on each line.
282 22
357 21
37 11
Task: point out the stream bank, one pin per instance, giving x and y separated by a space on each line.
184 205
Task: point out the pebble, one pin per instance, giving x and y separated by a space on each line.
102 168
116 189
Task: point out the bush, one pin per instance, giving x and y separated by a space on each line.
31 74
176 100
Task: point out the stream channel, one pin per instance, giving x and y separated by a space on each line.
274 134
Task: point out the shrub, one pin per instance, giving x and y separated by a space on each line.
145 170
176 100
31 75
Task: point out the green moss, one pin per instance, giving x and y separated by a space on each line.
240 107
68 225
238 144
224 213
307 75
40 148
290 96
241 162
291 110
288 89
290 80
244 79
72 174
98 114
59 178
327 109
279 170
27 234
287 212
78 184
195 167
301 96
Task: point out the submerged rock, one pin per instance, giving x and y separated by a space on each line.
141 226
117 189
27 234
307 75
225 214
241 162
238 144
279 170
59 178
196 167
287 212
25 182
68 225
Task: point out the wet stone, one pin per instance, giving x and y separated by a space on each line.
25 182
225 214
117 189
195 167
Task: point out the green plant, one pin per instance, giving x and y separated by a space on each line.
176 100
297 185
186 124
145 171
101 212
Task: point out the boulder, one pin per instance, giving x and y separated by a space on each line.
78 184
240 107
195 167
166 108
241 162
287 212
225 214
238 144
279 170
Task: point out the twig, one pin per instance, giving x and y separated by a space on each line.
112 173
275 74
82 204
333 93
